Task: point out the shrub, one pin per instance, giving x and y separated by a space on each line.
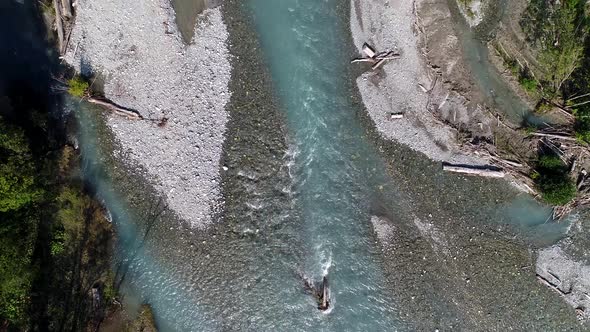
530 129
552 179
544 107
17 170
77 86
58 243
557 190
551 162
514 68
529 84
583 136
582 125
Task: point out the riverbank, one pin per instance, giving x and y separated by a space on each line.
437 50
147 67
404 85
445 112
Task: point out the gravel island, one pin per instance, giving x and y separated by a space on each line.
139 52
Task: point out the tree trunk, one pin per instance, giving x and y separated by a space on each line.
59 26
474 170
563 137
116 108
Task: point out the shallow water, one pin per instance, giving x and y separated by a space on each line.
186 16
486 76
145 278
336 169
245 276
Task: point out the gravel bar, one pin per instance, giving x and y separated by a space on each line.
398 86
137 48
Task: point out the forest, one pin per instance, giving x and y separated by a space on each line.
55 241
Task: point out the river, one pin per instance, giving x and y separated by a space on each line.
247 275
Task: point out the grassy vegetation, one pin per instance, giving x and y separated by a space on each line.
78 86
529 84
553 181
582 126
523 75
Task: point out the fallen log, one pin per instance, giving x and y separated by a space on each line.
67 8
324 300
122 111
371 60
563 137
378 64
474 170
507 162
546 282
59 25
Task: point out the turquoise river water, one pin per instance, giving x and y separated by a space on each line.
237 283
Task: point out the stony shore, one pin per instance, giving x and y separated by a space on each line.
568 277
403 84
425 26
139 52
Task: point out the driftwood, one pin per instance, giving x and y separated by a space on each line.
324 300
377 59
321 292
363 60
387 55
378 64
557 136
581 179
384 56
474 170
59 25
559 212
552 286
507 162
67 8
130 114
563 109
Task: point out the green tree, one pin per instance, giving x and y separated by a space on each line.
17 170
558 31
15 280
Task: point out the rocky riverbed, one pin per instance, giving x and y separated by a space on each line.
139 52
425 34
481 276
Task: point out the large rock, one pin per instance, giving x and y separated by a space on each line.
569 277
